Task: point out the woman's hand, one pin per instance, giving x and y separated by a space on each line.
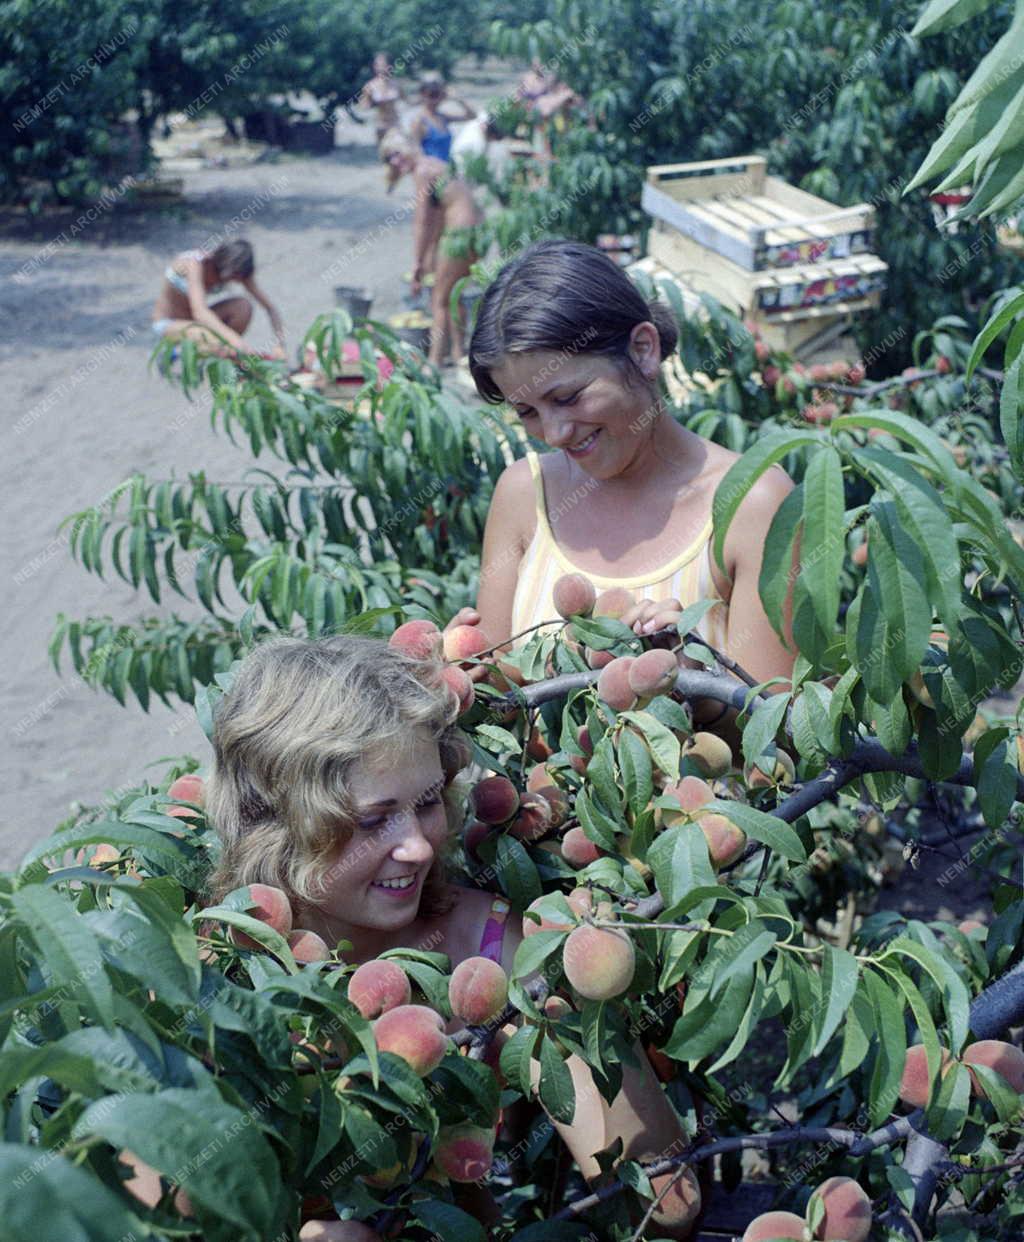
465 616
651 615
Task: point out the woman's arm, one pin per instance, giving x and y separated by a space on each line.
276 321
468 113
201 313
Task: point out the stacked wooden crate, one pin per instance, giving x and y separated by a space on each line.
794 263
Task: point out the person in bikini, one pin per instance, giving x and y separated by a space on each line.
383 94
624 494
192 302
430 129
335 779
445 212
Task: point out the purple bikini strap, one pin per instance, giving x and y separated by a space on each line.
494 930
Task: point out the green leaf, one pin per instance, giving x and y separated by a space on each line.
557 1093
210 1148
710 1023
765 720
601 774
78 1207
69 947
534 950
445 1220
765 451
740 1041
599 827
680 862
953 989
664 745
253 927
637 775
1005 315
516 872
822 546
814 732
997 784
760 826
839 974
1011 414
890 1048
516 1055
948 1109
940 15
744 947
777 558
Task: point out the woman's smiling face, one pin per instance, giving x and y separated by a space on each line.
375 880
582 405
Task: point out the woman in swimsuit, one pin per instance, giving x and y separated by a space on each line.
444 205
382 93
623 496
430 129
334 779
190 302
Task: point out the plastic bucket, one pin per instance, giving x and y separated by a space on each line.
419 338
356 301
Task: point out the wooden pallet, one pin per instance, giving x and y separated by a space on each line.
839 286
755 221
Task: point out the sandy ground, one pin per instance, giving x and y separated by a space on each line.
83 411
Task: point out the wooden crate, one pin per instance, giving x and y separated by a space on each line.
838 286
755 221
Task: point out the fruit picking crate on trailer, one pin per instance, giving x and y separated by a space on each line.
777 253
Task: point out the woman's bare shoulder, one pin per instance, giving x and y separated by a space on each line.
463 925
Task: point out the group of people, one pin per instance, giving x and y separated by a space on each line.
194 304
333 758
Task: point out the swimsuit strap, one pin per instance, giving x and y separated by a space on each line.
494 930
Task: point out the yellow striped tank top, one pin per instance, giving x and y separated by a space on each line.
686 578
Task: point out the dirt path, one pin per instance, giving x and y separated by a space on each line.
84 412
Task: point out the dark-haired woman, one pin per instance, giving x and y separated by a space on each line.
192 304
624 497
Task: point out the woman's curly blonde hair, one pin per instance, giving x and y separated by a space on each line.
299 717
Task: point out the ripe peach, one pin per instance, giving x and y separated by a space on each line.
477 990
459 683
725 841
474 834
771 375
573 596
495 799
271 906
599 962
915 1083
580 901
464 641
537 748
464 1153
943 365
551 918
337 1231
557 1007
654 672
420 639
1006 1059
847 1211
761 351
711 754
859 555
144 1184
378 986
783 772
615 602
613 685
307 946
770 1226
598 659
969 925
682 1203
538 777
414 1033
691 793
855 374
456 752
577 848
557 801
187 789
821 411
533 819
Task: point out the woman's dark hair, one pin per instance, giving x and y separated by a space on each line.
561 296
234 259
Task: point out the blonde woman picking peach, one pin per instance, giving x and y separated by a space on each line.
624 497
333 780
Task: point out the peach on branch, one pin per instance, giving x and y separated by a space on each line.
767 771
464 1152
307 946
652 673
460 684
581 902
859 555
579 762
538 777
557 1007
420 639
551 917
691 793
995 1054
682 1202
337 1231
599 962
598 659
415 1033
534 818
578 850
847 1215
495 799
463 642
456 754
710 753
855 374
478 990
187 789
969 925
474 835
613 685
915 1085
378 986
725 841
537 748
270 906
615 603
772 1226
573 596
